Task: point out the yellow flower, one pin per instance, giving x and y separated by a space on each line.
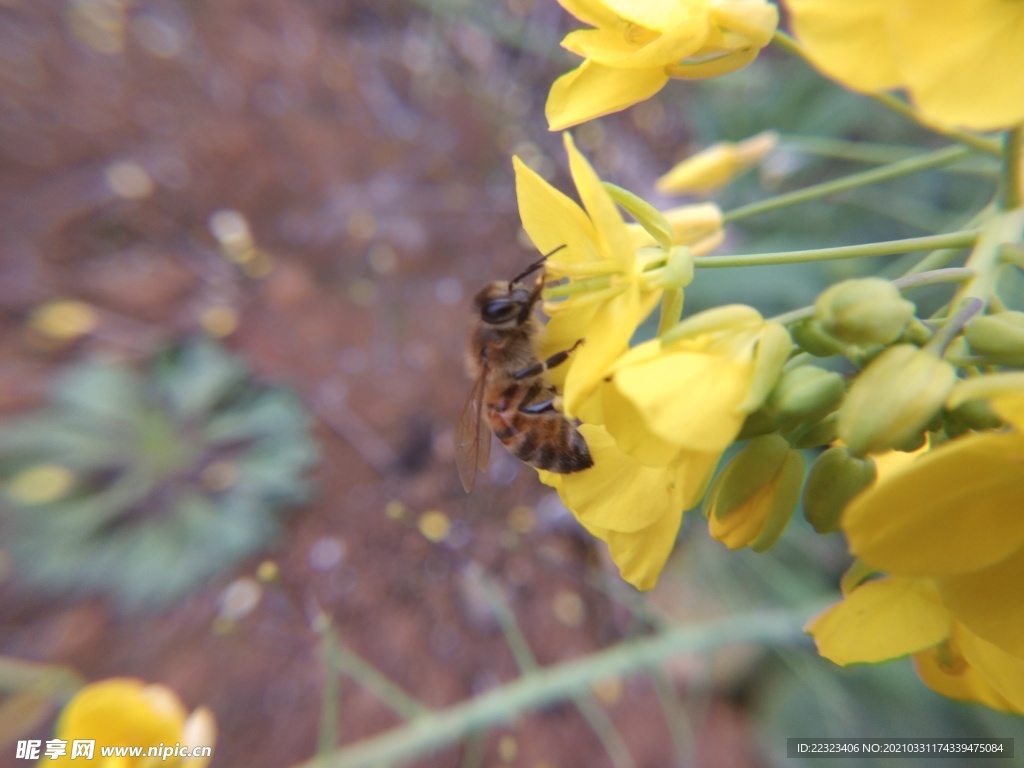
634 508
129 712
893 617
663 416
64 319
961 63
953 515
634 48
592 242
717 165
692 389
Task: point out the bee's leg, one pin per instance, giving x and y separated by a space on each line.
527 404
552 362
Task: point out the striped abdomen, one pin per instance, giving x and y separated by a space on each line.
546 440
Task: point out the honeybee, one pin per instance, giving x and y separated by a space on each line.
510 387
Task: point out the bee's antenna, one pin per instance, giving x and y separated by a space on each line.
535 265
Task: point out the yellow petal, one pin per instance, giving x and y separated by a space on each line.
610 330
122 711
641 555
848 41
946 670
754 20
715 66
551 219
694 470
963 63
955 509
1010 408
593 90
881 620
610 229
661 15
1002 670
593 12
617 493
624 420
688 399
611 48
988 601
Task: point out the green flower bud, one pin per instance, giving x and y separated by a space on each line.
753 498
970 415
835 478
999 337
811 337
805 394
773 349
862 312
894 399
760 422
815 435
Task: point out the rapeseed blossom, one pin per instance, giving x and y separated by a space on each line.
888 618
130 712
594 242
961 63
953 516
664 413
633 48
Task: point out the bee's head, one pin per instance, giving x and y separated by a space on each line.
502 304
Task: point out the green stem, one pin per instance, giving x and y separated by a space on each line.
563 681
788 44
1013 169
341 659
895 170
330 698
596 717
1001 228
854 151
960 239
953 326
1011 253
574 287
671 309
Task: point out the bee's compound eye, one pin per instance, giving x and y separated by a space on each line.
499 311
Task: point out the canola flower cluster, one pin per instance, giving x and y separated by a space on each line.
938 541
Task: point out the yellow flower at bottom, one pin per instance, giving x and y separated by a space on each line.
954 515
129 712
962 63
893 617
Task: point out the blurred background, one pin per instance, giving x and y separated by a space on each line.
237 244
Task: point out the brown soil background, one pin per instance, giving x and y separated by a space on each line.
367 144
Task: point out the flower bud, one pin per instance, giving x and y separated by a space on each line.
894 399
999 337
717 165
815 435
866 311
805 394
811 337
753 498
835 478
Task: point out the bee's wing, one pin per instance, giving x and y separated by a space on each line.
473 436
